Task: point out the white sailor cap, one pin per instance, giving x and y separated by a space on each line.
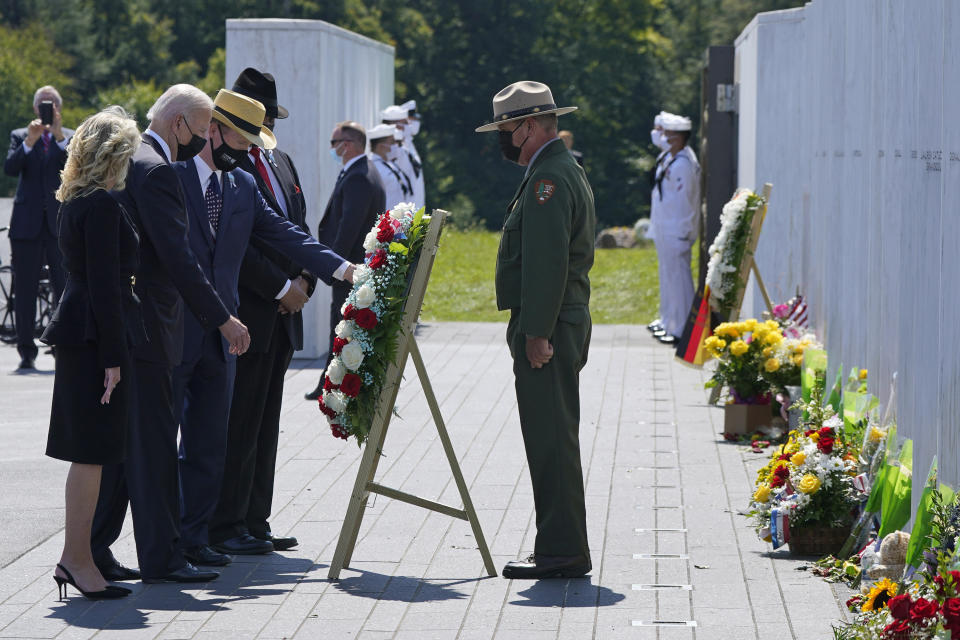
671 122
393 113
658 119
382 131
409 105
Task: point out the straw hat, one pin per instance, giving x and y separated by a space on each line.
522 100
245 116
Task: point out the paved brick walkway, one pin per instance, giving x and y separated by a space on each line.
658 481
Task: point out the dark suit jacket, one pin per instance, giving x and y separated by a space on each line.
245 218
265 270
99 245
168 268
357 199
39 175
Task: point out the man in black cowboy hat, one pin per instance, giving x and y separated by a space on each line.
273 289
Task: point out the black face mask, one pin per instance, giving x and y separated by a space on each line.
225 157
510 151
192 148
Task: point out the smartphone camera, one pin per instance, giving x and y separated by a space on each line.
46 112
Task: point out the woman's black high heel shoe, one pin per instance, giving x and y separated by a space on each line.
110 593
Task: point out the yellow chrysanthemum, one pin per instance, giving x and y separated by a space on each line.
797 359
877 434
771 365
727 329
711 342
762 494
863 374
791 448
814 437
738 347
879 595
798 458
773 337
809 483
749 324
767 352
773 325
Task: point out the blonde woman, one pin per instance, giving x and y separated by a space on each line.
98 319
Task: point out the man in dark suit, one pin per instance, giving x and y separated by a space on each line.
36 156
168 276
273 290
357 199
226 215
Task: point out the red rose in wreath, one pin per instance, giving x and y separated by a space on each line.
338 431
338 345
351 385
900 607
378 259
951 610
384 233
365 319
328 384
782 472
327 411
825 444
776 482
826 431
349 312
923 609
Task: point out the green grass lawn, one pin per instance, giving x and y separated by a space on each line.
623 281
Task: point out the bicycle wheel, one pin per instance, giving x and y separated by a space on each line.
8 331
45 306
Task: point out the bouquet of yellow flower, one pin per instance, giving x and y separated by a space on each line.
809 480
782 361
741 350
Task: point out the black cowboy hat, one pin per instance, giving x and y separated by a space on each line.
261 87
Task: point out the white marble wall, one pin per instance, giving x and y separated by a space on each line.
846 107
324 75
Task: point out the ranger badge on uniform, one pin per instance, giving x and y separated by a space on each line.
544 190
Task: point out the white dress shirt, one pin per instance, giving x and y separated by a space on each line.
163 144
265 157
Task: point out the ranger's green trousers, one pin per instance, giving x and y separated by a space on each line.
549 403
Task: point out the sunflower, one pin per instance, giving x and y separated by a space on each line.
879 595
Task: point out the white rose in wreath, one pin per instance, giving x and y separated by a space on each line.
365 297
336 371
362 273
344 329
335 401
370 242
351 356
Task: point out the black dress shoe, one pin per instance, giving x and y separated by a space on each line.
204 555
316 393
668 339
116 572
186 573
26 364
538 567
245 545
279 544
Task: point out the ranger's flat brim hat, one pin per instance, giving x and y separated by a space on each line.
245 116
522 100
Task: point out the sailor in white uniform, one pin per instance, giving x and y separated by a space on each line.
659 140
406 156
384 138
675 224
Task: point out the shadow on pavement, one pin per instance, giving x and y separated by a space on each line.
402 588
579 592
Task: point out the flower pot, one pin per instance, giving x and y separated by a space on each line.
817 540
745 418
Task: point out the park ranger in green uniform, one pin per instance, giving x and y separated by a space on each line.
545 255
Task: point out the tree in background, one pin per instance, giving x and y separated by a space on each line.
620 61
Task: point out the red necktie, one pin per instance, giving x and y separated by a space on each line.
262 168
46 141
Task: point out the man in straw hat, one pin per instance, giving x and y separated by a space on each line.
273 290
228 214
545 255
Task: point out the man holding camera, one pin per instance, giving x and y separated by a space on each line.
37 154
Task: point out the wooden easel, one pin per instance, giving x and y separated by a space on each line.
364 484
746 265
